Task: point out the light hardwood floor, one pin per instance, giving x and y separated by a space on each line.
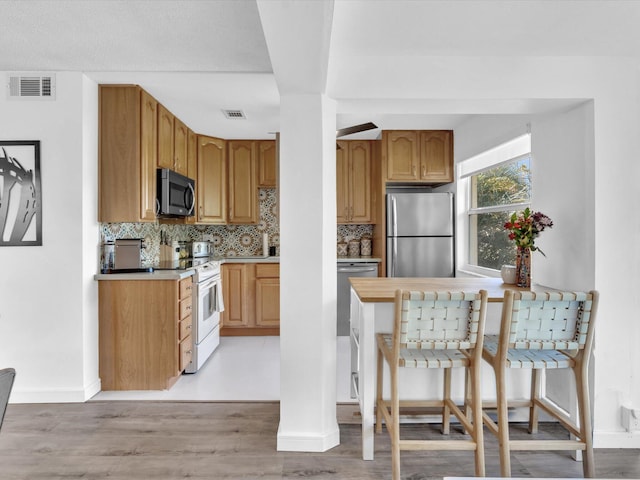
216 440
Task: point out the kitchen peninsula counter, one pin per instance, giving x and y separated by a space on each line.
372 304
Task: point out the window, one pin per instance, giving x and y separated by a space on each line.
498 183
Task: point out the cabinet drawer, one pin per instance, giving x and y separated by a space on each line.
267 270
186 285
186 307
185 327
186 352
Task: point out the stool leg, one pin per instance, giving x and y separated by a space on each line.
394 428
584 412
446 411
379 405
535 396
503 423
477 433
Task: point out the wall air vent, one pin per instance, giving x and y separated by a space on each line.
31 86
234 114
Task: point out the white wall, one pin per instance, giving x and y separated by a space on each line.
48 312
564 187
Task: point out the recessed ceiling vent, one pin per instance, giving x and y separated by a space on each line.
234 114
31 86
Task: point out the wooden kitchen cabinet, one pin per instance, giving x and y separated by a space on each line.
423 156
353 181
243 189
180 148
235 295
268 295
211 183
251 294
127 154
172 142
144 332
267 164
192 169
165 138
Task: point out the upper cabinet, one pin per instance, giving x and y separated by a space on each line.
211 184
424 156
127 154
267 163
353 181
172 142
192 168
180 148
243 189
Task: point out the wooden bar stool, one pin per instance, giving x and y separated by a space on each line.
434 330
541 331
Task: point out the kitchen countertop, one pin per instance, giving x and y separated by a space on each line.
160 274
180 274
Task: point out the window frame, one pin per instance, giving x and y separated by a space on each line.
465 196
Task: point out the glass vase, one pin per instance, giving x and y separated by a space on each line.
523 267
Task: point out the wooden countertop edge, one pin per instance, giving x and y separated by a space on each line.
382 290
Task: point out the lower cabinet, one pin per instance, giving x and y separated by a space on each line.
144 333
251 293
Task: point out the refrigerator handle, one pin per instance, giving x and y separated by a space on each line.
394 217
394 255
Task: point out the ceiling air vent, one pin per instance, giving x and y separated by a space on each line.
32 86
234 114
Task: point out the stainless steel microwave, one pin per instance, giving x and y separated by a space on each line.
175 195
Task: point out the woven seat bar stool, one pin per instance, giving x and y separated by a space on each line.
440 330
539 331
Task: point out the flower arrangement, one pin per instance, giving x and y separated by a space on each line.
524 228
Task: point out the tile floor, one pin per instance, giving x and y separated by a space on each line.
240 369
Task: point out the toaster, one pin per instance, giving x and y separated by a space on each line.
201 249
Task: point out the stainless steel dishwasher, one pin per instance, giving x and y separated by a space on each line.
346 270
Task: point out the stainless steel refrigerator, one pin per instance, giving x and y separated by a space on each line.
420 234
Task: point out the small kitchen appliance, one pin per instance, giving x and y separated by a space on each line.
201 249
128 252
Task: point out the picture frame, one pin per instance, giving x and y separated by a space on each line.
20 193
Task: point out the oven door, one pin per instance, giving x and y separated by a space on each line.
209 307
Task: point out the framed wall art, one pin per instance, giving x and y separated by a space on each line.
20 193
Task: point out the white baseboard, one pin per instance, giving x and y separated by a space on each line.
621 439
294 442
59 395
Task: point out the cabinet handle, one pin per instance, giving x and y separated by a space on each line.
414 170
188 307
424 170
351 213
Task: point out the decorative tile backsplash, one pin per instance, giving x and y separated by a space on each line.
228 240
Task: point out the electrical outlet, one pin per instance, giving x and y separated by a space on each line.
631 419
207 237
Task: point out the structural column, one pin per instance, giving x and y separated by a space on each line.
307 274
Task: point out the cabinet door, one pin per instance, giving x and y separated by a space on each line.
243 190
436 156
268 302
126 158
211 181
342 181
359 182
148 155
180 145
165 138
192 169
234 287
267 163
402 154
